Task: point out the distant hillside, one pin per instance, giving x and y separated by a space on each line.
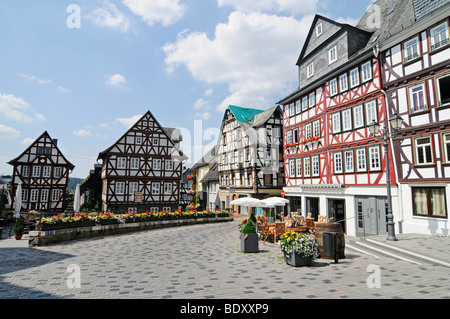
73 181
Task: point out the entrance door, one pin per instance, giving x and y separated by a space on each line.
371 215
336 209
312 206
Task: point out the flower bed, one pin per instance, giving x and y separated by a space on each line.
82 220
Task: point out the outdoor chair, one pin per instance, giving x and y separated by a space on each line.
280 229
267 232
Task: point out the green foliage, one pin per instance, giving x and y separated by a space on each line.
249 227
18 226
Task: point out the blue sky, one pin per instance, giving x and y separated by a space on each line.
86 78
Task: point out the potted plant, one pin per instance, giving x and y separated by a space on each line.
298 249
18 228
249 236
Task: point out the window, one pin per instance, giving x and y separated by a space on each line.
332 55
417 98
315 165
306 167
429 201
55 195
24 195
36 171
289 137
34 195
312 99
308 131
47 172
337 159
374 158
121 162
439 36
316 128
157 164
310 70
292 168
295 135
132 209
298 162
138 140
168 188
333 87
371 112
44 195
26 171
298 106
154 209
133 188
319 29
354 77
120 188
343 83
349 163
134 163
305 103
347 119
366 71
443 89
58 172
292 109
423 150
446 148
336 122
155 142
169 165
167 209
411 49
361 163
358 116
155 188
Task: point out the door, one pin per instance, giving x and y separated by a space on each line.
371 215
312 206
336 209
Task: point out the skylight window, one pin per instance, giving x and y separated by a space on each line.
391 10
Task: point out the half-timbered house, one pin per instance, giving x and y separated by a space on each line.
415 68
250 155
142 171
334 167
43 172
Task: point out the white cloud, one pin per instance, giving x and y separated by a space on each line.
200 104
204 116
128 122
166 12
209 92
289 6
8 133
61 89
254 54
82 133
116 80
27 141
34 78
110 16
16 109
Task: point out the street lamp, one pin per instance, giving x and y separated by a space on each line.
381 133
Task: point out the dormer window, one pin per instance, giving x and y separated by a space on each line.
310 70
332 55
319 30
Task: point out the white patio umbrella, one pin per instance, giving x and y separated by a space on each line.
276 201
18 201
76 199
247 201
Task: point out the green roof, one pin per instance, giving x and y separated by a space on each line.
243 114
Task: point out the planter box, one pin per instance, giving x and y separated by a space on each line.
295 260
249 244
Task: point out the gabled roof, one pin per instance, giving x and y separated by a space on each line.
45 134
172 134
212 175
206 159
243 114
343 27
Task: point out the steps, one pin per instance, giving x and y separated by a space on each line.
377 249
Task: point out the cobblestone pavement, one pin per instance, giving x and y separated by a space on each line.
205 261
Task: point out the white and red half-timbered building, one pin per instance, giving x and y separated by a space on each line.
142 171
334 167
416 77
43 172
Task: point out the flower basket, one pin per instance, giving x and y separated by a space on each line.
88 223
298 249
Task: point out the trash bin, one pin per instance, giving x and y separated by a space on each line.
330 245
